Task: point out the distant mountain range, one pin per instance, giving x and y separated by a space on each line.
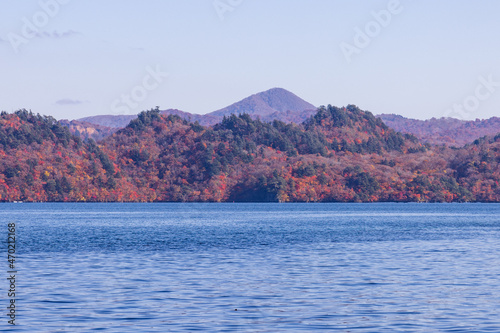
280 104
276 103
447 131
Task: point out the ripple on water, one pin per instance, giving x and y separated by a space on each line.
258 268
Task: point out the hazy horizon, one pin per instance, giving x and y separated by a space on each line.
72 59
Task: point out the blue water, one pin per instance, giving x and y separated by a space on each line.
255 267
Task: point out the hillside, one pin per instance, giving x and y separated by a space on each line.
447 131
85 130
340 154
42 161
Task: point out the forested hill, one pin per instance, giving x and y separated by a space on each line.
41 161
339 154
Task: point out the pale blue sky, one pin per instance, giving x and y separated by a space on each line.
88 55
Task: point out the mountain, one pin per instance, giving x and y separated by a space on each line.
203 119
280 104
276 103
120 121
447 131
113 121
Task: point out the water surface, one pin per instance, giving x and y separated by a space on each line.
256 267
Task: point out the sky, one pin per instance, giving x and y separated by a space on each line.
419 59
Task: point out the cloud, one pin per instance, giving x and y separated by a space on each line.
69 101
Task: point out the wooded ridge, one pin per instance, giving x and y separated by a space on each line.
337 155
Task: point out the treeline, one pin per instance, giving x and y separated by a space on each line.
338 155
25 128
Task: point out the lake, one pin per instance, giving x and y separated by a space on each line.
253 267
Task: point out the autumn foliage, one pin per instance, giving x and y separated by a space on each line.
338 155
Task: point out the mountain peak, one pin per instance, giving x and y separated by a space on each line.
267 103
